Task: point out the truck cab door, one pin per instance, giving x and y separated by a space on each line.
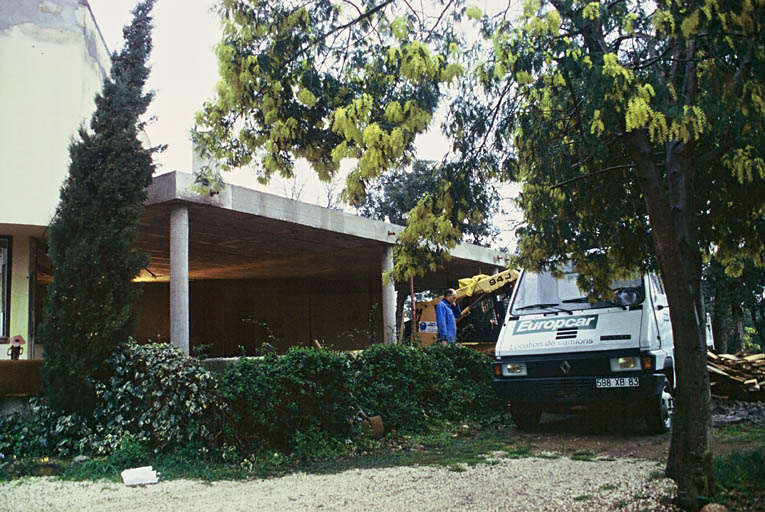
661 312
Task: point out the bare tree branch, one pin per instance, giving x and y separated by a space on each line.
440 16
494 117
362 17
591 174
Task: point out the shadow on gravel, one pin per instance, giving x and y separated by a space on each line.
599 434
594 422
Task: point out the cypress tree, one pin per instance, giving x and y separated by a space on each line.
88 309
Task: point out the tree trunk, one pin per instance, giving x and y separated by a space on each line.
738 326
759 322
672 216
720 328
690 455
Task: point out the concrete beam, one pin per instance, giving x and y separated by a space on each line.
388 299
175 186
179 277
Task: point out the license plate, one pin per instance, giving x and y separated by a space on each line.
619 382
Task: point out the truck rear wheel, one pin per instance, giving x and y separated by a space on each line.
661 410
526 416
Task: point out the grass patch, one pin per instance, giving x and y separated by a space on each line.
195 469
741 433
585 456
656 475
608 487
445 445
439 449
521 452
583 497
740 478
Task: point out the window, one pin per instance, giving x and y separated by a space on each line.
543 293
5 287
657 283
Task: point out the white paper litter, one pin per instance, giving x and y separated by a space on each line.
140 476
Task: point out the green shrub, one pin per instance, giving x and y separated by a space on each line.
401 384
156 396
303 403
410 387
471 394
283 400
43 433
130 453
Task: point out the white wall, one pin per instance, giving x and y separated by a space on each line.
52 63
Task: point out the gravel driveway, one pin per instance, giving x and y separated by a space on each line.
549 484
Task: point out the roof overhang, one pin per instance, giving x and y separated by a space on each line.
242 233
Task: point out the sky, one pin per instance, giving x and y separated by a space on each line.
183 75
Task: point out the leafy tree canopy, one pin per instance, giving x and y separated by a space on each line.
394 194
554 99
729 297
329 81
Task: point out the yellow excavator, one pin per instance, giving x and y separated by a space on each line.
483 300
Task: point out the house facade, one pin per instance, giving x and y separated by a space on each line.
53 60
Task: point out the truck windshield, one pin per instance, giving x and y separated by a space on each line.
542 293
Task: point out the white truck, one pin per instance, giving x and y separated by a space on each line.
558 349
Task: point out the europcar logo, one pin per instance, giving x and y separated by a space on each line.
553 324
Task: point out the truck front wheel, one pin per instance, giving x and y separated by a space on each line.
526 416
660 410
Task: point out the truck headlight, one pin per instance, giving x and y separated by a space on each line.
625 364
513 369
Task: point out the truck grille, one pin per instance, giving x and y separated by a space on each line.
567 388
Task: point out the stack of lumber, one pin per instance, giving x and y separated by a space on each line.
737 376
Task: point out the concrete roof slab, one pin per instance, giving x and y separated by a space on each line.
246 234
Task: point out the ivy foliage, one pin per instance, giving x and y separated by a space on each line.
306 403
318 395
157 397
44 433
278 400
153 399
88 309
412 388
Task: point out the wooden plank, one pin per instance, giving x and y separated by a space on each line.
716 370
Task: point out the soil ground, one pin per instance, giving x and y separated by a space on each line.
616 434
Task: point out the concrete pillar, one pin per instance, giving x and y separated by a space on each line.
388 299
179 277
